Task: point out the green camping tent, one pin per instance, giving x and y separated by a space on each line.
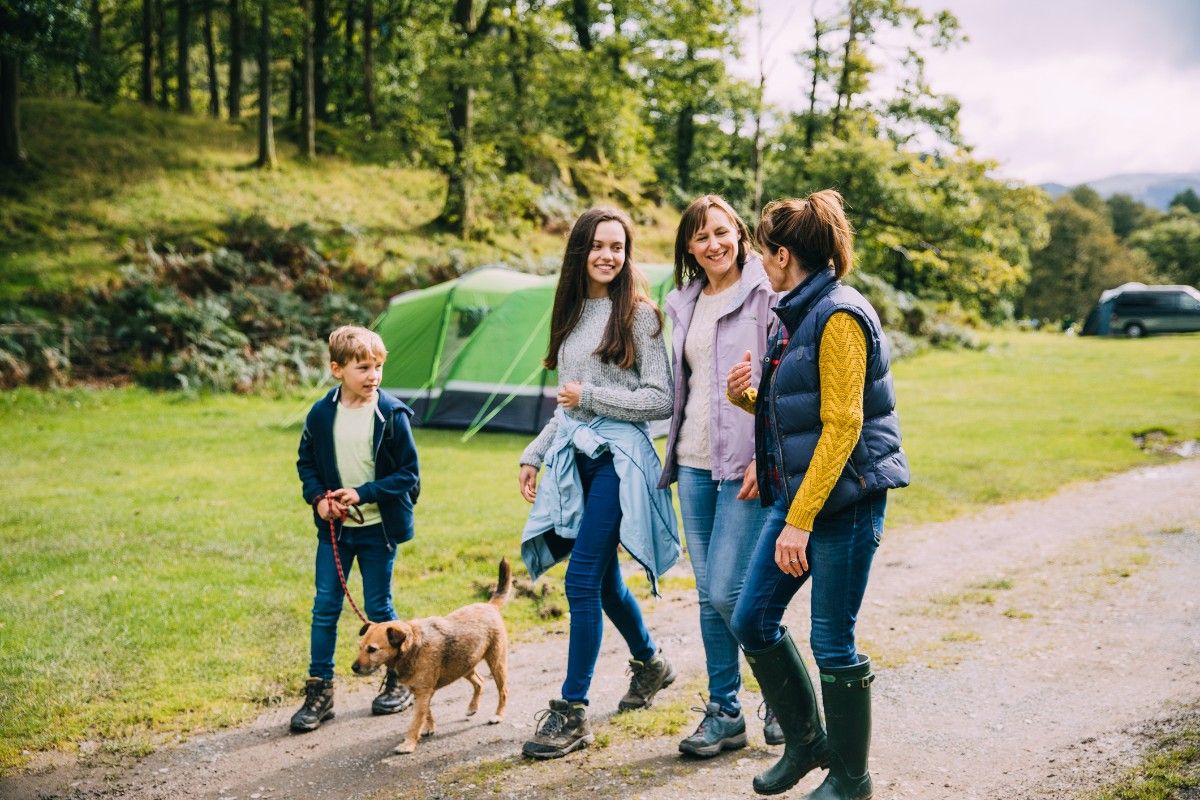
468 353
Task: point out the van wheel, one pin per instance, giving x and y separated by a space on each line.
1134 330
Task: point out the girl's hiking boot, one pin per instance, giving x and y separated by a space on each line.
646 678
717 731
394 698
564 729
318 706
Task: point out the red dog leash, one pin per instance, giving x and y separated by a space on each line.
354 513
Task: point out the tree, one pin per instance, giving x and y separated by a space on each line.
308 140
236 57
1082 258
164 80
147 64
320 56
1128 215
1174 246
470 21
266 134
1188 199
210 53
183 75
368 74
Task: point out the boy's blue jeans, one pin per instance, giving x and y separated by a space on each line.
593 583
721 534
840 551
375 559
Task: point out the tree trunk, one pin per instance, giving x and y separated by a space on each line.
346 87
756 153
146 95
843 93
810 124
183 75
320 55
685 142
266 134
293 109
369 61
458 213
581 21
518 68
164 80
308 138
236 55
11 151
210 52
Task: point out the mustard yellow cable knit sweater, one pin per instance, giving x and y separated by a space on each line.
842 360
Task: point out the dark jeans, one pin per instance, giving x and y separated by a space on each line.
594 585
840 551
375 560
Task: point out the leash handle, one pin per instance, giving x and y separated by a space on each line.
355 513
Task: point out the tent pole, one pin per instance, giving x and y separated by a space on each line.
437 356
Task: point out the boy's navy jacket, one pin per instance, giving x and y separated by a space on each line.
397 476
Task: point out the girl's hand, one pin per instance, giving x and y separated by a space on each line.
738 379
789 551
749 489
570 395
527 481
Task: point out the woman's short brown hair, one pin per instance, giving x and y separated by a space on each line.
692 220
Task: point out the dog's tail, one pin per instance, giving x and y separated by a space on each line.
503 585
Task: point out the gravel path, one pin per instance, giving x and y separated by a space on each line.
1027 651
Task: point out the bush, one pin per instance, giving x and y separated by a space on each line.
252 314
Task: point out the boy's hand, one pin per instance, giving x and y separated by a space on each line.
347 497
330 509
527 480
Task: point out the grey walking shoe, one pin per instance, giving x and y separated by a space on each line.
317 708
772 730
564 729
717 731
646 679
394 698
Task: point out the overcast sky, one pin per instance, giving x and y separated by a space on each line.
1055 90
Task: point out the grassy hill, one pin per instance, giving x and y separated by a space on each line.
104 179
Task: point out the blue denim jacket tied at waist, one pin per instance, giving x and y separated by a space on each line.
649 532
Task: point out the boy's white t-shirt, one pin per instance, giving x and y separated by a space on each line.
353 447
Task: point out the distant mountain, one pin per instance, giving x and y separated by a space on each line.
1153 189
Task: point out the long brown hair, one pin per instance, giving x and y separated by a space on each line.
626 290
814 229
693 219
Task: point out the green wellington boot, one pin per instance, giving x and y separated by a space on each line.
847 696
786 687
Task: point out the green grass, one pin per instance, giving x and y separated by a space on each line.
1170 771
157 573
1035 412
104 179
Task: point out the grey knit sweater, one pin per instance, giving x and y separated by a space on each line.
639 394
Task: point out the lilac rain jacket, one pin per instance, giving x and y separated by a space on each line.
744 324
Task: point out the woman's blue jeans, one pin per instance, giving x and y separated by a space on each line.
840 551
721 533
375 559
594 585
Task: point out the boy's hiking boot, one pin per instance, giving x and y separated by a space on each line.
717 731
564 729
646 678
318 706
394 698
772 730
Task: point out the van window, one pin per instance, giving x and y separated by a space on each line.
1187 302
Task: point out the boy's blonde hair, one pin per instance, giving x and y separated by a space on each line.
353 342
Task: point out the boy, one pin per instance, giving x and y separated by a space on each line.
356 443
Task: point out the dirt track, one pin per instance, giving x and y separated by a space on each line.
1024 652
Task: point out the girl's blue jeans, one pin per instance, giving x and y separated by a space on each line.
721 533
368 546
840 550
593 583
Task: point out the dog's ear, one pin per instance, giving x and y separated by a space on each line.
395 636
364 628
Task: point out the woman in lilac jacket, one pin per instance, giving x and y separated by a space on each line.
720 310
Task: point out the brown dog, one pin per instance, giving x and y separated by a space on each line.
436 651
